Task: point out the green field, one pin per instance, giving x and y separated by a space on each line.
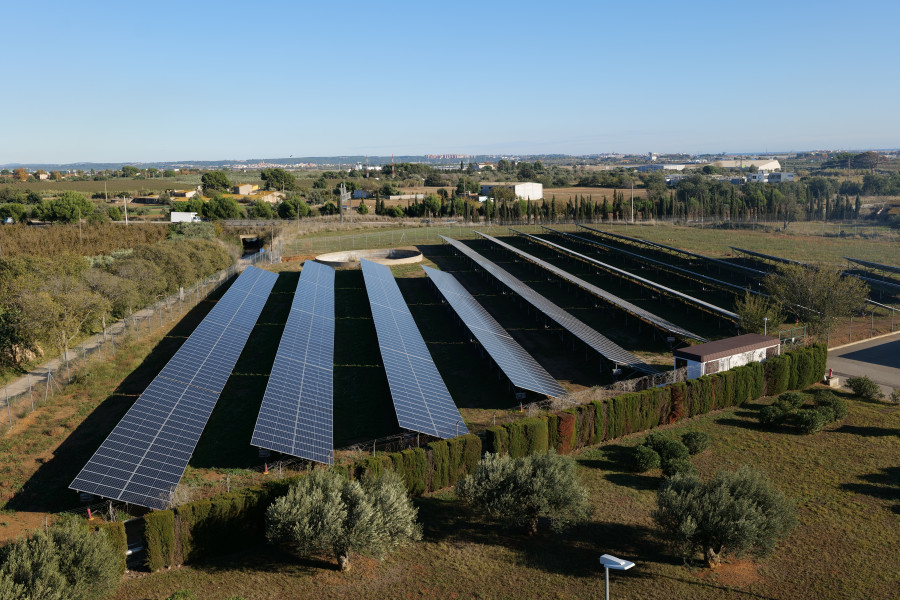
844 481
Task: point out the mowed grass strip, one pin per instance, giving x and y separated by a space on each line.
844 481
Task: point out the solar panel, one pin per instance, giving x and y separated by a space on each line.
143 459
638 279
675 250
769 257
644 315
595 340
420 396
296 413
874 265
519 367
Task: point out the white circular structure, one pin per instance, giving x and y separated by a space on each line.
384 256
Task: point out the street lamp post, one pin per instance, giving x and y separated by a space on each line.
765 325
611 562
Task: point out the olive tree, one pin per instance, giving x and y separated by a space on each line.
818 294
68 561
522 490
734 512
325 513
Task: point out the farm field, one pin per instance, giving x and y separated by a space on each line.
844 481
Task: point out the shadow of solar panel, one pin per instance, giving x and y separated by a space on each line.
143 458
592 338
420 397
296 413
519 367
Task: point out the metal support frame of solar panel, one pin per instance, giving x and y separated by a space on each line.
592 338
768 257
874 265
636 311
696 302
675 270
421 399
296 413
723 263
143 458
522 370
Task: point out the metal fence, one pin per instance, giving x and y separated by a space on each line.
22 396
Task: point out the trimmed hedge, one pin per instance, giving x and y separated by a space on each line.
159 539
465 454
223 524
440 465
528 436
412 465
115 533
497 440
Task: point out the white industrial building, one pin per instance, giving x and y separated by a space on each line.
761 164
722 355
526 190
767 177
183 217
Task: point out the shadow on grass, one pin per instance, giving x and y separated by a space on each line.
47 490
613 457
868 431
731 592
884 485
268 559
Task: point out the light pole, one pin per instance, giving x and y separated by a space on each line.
611 562
765 325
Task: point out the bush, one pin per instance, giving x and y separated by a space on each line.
838 406
159 539
519 491
895 396
791 400
812 420
865 388
771 415
696 441
677 466
785 406
67 562
668 448
643 459
440 464
734 512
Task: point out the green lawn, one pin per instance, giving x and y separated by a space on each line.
844 481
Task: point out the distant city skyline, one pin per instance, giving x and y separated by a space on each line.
106 82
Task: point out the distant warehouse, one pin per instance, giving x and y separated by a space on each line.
526 190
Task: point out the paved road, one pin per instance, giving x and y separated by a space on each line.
879 359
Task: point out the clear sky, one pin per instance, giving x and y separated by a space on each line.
165 81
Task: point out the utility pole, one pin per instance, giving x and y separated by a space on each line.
632 200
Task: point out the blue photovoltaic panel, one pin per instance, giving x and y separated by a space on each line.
296 413
595 340
520 367
143 459
637 311
420 396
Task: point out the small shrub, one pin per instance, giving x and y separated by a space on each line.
671 449
643 459
678 466
838 406
696 441
812 420
865 388
771 415
791 400
895 396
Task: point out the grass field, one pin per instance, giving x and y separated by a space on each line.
844 481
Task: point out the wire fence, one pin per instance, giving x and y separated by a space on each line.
20 397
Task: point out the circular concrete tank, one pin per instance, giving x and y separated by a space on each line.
386 256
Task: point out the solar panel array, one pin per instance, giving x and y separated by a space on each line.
635 310
296 413
675 250
143 459
421 399
595 340
641 280
769 257
519 367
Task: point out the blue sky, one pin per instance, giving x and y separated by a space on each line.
164 81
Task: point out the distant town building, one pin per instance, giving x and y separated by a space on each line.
527 190
767 177
660 167
183 193
42 176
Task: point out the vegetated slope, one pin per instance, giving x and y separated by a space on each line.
91 239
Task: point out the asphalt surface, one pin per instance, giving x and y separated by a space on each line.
879 359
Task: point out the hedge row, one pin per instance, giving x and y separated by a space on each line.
230 522
115 532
